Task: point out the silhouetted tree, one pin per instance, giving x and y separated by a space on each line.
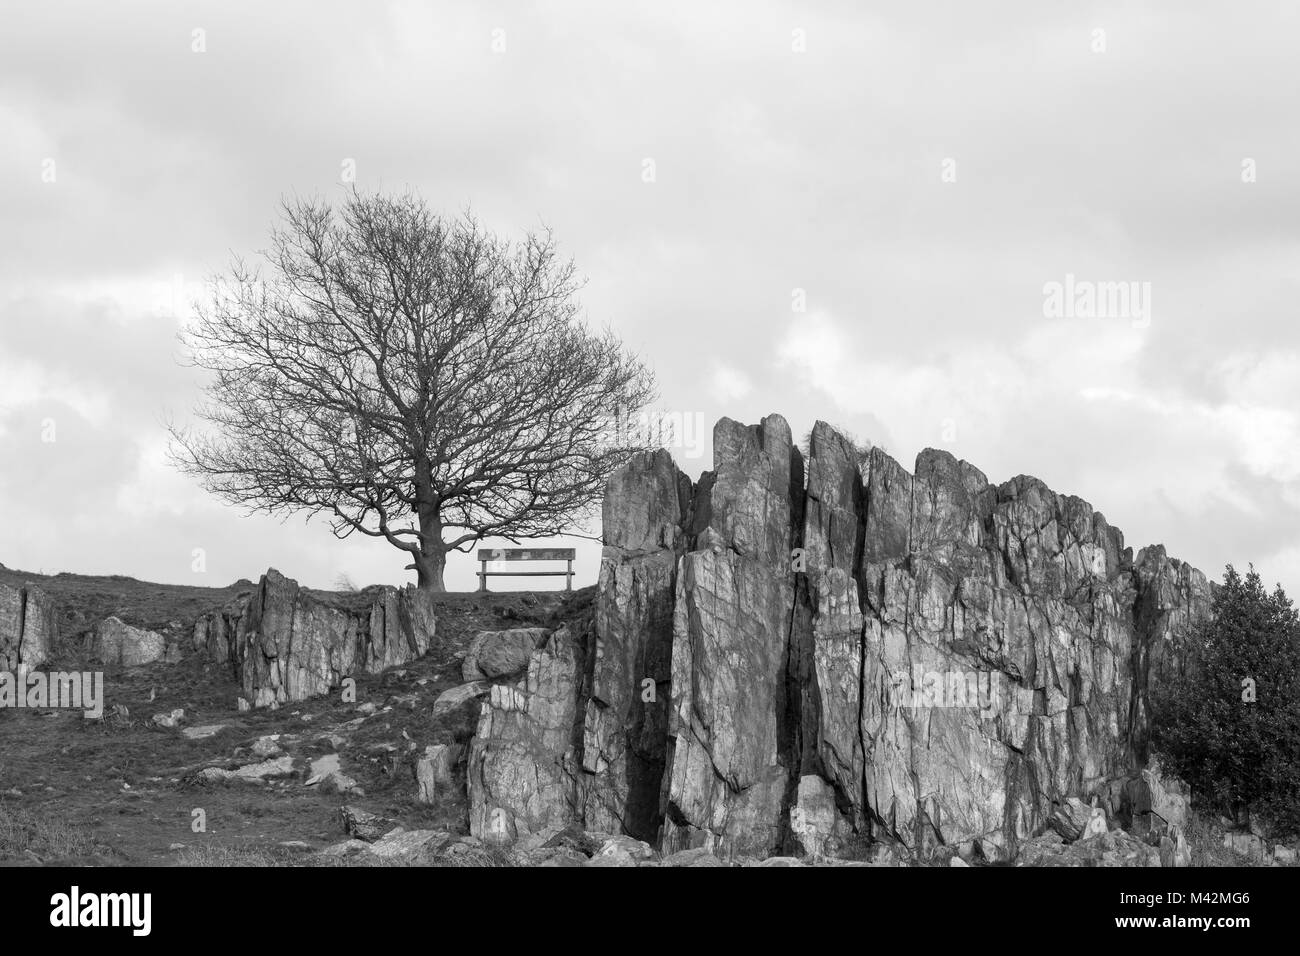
415 378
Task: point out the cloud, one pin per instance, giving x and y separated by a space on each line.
776 170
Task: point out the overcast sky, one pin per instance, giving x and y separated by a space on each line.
846 211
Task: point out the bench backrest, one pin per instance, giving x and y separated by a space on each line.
527 554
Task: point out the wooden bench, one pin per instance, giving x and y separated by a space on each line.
525 554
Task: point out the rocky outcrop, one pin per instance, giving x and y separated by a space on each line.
625 716
783 664
287 643
28 627
522 772
126 646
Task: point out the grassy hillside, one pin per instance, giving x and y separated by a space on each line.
122 790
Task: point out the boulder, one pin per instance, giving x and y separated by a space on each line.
267 746
122 645
815 821
327 773
203 732
501 654
277 767
1152 804
28 627
626 846
408 844
459 696
364 825
433 770
1174 850
169 719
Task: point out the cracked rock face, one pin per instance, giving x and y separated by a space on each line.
521 771
785 665
127 646
28 627
288 644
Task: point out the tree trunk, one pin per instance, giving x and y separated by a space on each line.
432 559
428 571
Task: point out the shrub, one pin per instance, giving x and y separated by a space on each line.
1230 724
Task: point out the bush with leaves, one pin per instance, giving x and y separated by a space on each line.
1229 725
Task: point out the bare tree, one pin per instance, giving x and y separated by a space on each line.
412 377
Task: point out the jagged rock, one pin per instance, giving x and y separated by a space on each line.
170 719
268 746
203 732
815 821
1174 850
326 772
408 844
28 627
957 861
521 764
433 770
1000 643
1070 818
122 645
616 857
253 772
364 825
278 767
459 696
1152 805
734 598
572 837
499 654
625 717
288 643
945 661
1281 853
626 846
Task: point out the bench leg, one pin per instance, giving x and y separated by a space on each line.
568 578
482 578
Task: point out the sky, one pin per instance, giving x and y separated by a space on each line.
1054 239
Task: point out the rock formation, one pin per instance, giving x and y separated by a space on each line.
28 627
126 646
788 664
287 643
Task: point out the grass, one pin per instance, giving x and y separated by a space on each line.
23 834
1205 838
